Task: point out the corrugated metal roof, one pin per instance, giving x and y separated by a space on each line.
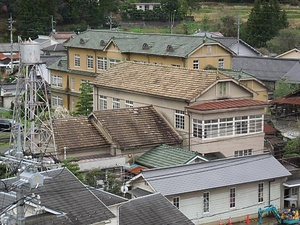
165 155
216 174
288 101
227 104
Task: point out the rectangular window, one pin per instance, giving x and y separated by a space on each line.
128 104
176 201
295 191
196 64
232 198
209 50
206 202
56 81
221 63
211 128
73 105
223 88
116 103
90 62
76 60
179 119
113 62
102 102
56 101
243 153
260 192
101 63
72 84
255 123
241 125
197 128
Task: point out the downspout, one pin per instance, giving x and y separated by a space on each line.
189 127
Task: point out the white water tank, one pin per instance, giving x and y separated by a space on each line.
30 52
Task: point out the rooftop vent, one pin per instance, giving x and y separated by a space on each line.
170 48
145 46
102 43
84 40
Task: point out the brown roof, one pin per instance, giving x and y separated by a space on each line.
227 104
62 35
289 101
76 133
268 129
135 127
151 79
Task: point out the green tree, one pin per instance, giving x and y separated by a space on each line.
85 104
111 183
286 39
283 88
34 17
228 26
265 20
292 148
73 167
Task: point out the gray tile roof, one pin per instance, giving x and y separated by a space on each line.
6 47
55 48
133 42
155 80
293 75
49 59
77 133
216 174
138 192
150 210
264 68
140 126
63 192
107 198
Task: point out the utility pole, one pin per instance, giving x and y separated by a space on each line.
52 24
172 20
110 20
238 34
10 28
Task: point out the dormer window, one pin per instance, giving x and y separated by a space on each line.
170 48
102 43
83 40
145 46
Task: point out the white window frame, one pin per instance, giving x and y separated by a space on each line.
128 104
102 102
295 191
260 192
72 84
113 62
90 62
241 153
223 88
221 63
196 64
176 201
77 60
206 199
56 81
101 63
179 119
116 103
232 197
56 101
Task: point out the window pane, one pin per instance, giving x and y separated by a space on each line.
206 202
179 119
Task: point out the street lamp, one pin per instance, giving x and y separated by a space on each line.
172 20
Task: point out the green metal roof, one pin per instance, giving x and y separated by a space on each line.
166 155
152 44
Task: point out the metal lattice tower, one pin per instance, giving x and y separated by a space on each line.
32 131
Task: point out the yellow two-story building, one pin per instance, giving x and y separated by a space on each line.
95 51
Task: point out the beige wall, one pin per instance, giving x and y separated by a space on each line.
261 90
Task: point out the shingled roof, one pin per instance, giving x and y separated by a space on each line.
77 133
152 44
133 127
165 155
151 79
150 210
63 193
215 173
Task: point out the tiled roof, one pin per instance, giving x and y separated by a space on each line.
151 79
268 129
150 210
227 104
292 75
289 101
7 56
6 47
49 59
62 35
216 173
165 155
133 127
55 48
63 192
107 198
264 68
154 44
77 133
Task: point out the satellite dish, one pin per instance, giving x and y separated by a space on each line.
124 189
